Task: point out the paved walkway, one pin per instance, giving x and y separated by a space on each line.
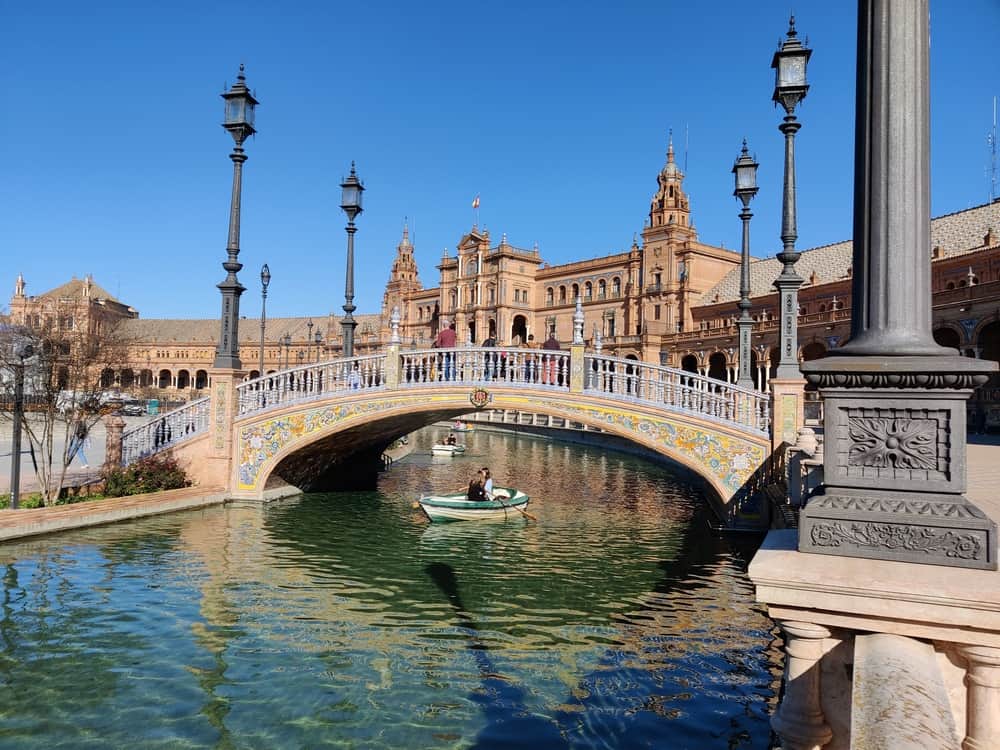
984 474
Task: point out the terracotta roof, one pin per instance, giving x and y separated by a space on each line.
955 234
73 289
187 331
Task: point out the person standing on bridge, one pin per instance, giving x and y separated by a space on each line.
446 339
489 358
551 344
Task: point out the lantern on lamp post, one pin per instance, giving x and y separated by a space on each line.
350 202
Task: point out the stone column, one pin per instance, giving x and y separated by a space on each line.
114 426
576 368
982 710
788 410
799 719
222 449
894 461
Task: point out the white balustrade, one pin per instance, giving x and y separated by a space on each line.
481 365
166 430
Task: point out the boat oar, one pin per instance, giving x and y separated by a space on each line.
524 513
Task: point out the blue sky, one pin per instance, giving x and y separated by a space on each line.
113 161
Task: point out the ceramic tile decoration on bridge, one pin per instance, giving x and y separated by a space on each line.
717 429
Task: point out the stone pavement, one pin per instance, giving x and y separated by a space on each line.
984 473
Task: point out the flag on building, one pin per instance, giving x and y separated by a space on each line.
475 201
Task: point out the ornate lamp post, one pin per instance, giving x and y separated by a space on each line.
309 338
745 171
790 88
319 340
265 279
287 343
350 202
239 119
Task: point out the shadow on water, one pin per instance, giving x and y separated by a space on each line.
508 722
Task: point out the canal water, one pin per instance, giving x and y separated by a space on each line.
345 620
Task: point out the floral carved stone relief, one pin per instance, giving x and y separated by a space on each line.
887 442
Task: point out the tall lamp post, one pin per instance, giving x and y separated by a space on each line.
351 190
22 351
319 342
287 343
239 119
745 171
790 87
265 279
309 339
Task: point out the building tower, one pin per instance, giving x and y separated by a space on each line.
665 237
404 280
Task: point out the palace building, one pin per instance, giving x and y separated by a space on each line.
669 299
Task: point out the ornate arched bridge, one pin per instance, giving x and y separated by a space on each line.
292 424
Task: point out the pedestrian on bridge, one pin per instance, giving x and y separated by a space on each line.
446 339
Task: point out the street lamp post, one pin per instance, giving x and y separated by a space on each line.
287 343
351 190
309 338
745 171
790 87
319 341
265 279
22 351
239 119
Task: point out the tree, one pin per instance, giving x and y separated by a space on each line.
66 386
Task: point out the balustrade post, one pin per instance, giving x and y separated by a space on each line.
799 719
114 426
576 354
392 365
982 708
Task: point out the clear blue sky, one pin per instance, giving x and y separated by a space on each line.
113 161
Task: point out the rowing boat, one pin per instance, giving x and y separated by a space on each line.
506 503
444 449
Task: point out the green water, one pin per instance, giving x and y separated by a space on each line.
346 620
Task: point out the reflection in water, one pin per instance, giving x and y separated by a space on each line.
345 620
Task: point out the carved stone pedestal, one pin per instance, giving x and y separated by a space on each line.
894 463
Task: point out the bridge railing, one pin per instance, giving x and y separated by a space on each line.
308 382
632 380
166 430
510 366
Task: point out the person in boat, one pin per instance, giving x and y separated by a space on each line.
477 488
487 482
450 440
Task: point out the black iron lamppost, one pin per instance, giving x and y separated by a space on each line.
745 171
239 119
350 202
309 338
790 87
287 343
319 341
265 279
22 351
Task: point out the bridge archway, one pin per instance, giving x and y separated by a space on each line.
290 441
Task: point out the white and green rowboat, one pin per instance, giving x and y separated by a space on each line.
506 503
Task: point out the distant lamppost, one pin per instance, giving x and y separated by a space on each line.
287 343
265 279
790 87
319 340
309 338
302 356
745 171
350 202
22 351
239 119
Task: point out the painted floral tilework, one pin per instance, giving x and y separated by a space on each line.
730 460
262 441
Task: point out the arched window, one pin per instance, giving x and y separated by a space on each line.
602 289
576 291
562 295
616 287
549 296
588 290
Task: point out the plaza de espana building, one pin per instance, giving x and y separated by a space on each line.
668 299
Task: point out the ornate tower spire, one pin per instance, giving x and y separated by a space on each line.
19 286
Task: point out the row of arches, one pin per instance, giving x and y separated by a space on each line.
181 380
602 288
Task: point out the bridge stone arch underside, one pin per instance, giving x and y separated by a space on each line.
267 444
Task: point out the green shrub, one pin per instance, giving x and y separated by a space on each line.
150 474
